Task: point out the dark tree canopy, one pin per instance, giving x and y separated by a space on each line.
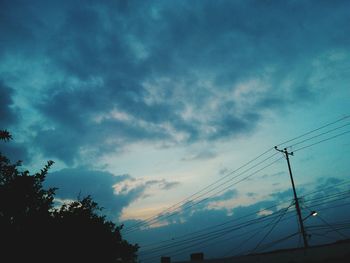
32 229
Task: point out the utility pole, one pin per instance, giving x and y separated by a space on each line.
286 153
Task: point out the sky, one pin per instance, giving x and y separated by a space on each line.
141 104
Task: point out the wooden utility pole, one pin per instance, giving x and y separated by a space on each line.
301 223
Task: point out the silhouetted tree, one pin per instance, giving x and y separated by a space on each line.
33 230
92 235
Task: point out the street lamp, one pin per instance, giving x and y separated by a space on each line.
312 213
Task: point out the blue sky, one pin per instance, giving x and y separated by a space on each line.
143 103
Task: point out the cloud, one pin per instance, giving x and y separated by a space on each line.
113 192
327 185
72 182
169 185
7 112
208 221
163 184
283 195
224 171
251 194
278 174
95 78
144 187
190 207
59 143
203 155
229 194
116 73
239 239
15 152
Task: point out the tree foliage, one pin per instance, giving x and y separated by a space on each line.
32 229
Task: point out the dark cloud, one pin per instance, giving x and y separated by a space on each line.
8 114
329 181
326 186
80 181
118 72
283 195
244 240
15 152
320 189
14 26
59 143
179 73
111 192
207 220
228 195
201 203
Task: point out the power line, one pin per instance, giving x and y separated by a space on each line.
262 210
339 195
271 244
184 202
222 190
212 234
259 229
324 140
188 199
210 237
216 235
272 228
193 204
215 226
187 247
282 210
327 188
255 234
337 226
333 229
219 233
314 130
278 241
156 217
319 135
296 232
330 226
